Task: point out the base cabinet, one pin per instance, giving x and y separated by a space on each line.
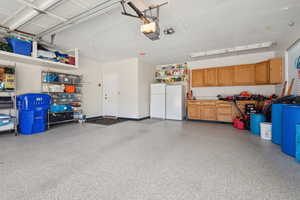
194 111
221 111
208 113
224 118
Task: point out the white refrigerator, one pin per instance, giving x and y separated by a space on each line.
175 107
158 101
167 102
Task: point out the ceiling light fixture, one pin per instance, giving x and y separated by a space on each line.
232 50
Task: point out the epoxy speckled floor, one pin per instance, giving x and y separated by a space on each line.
147 160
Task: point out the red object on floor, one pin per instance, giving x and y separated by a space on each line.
238 123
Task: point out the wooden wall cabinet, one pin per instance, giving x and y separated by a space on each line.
267 72
244 75
210 77
262 73
198 78
225 76
276 71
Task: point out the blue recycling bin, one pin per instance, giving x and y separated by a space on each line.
277 110
33 110
291 117
298 142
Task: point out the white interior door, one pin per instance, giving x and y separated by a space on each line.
110 95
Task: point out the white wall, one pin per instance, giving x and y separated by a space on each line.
229 61
146 77
29 81
291 71
92 92
134 82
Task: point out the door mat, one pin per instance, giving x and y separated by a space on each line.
105 121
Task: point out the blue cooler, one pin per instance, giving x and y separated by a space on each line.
255 120
33 109
291 117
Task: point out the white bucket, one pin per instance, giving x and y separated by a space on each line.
266 131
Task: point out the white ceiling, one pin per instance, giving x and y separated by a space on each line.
200 25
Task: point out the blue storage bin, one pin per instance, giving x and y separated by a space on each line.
4 122
33 109
291 117
255 120
61 108
50 78
5 119
19 46
55 108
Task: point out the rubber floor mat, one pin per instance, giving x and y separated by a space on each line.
105 121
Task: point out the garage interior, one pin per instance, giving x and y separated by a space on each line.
149 99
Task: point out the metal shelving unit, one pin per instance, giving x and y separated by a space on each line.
60 97
171 73
10 109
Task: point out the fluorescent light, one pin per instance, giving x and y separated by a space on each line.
214 52
234 49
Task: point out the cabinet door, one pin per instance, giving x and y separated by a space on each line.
262 73
208 113
210 77
224 112
244 74
193 111
224 118
276 70
225 76
197 78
